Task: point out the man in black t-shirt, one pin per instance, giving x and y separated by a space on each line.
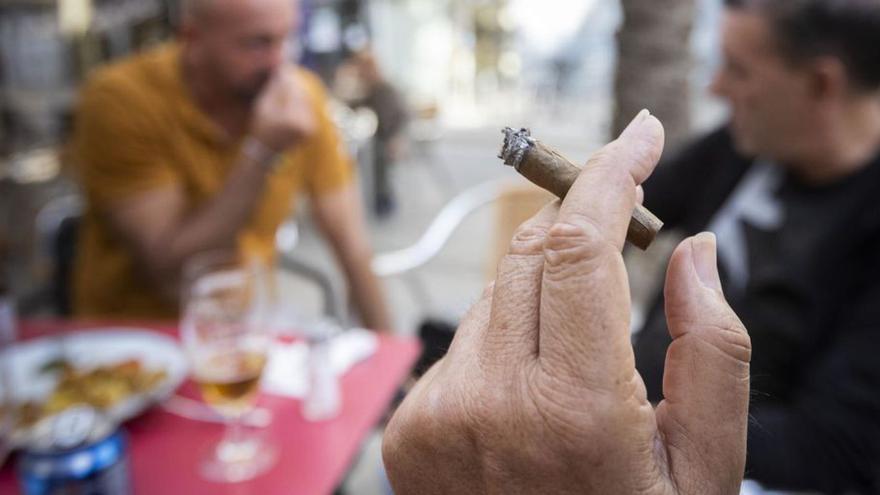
791 188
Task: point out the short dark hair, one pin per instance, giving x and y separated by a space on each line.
846 29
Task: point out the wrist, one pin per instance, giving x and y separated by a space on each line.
259 153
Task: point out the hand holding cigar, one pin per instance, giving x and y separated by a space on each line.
548 169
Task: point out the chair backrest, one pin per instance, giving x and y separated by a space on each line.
515 202
441 228
64 255
333 296
57 227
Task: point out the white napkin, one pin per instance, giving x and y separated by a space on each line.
286 372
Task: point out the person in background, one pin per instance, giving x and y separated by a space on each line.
790 188
201 144
375 92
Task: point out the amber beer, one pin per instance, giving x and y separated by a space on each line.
229 379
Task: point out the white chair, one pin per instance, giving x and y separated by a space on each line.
404 263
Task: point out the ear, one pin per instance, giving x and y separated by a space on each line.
827 78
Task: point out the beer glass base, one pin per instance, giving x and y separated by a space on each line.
228 462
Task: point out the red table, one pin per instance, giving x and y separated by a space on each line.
313 458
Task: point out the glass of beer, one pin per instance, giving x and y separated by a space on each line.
225 334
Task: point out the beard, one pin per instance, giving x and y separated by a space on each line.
249 91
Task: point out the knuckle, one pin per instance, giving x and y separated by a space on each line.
401 441
393 440
569 244
417 423
527 240
738 341
731 338
445 403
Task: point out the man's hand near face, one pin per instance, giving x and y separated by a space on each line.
283 115
539 393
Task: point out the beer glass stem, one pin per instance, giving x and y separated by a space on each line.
236 446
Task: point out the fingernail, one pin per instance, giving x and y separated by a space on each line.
636 122
703 249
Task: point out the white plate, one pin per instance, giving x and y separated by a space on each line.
92 348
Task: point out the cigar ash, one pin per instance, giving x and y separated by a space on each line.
515 146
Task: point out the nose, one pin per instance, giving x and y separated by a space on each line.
278 54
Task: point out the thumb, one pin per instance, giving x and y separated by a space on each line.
704 414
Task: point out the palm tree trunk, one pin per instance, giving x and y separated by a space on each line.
654 64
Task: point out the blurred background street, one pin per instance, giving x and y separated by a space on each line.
465 69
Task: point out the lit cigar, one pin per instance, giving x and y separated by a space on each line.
546 168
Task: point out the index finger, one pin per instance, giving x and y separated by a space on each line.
585 306
604 195
287 85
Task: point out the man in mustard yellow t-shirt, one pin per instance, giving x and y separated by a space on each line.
203 144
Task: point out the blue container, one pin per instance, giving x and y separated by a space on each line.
77 452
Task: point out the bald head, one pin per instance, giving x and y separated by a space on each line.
193 9
237 43
200 11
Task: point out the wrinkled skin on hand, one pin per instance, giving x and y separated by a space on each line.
539 392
